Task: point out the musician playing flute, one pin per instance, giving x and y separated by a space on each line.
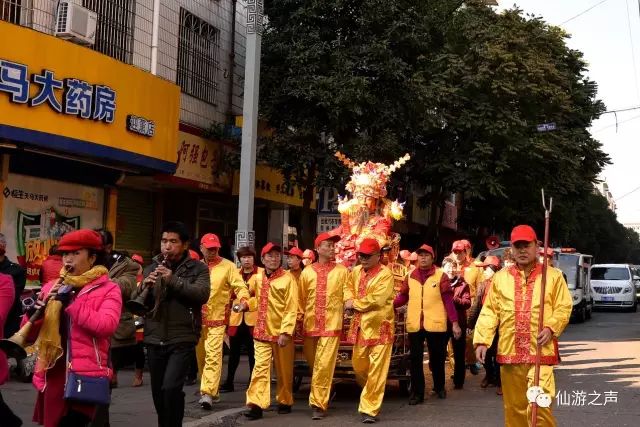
179 288
512 308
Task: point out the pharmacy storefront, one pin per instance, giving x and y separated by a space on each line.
73 124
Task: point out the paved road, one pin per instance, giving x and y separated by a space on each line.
601 361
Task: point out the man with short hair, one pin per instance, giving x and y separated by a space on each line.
179 286
18 274
224 278
429 297
512 308
240 330
370 298
294 261
321 293
276 299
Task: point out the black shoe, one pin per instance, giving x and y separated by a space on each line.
226 388
284 409
368 419
415 400
254 413
318 414
442 394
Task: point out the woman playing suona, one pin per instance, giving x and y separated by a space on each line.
82 311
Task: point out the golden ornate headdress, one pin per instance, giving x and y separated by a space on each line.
368 178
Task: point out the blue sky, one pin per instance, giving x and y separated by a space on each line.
609 37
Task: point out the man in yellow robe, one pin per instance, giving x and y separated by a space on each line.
321 296
224 277
370 298
276 300
512 307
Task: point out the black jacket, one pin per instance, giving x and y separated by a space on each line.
19 277
182 296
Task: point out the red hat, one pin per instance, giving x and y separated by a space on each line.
458 245
490 260
523 233
308 253
326 236
296 251
80 239
413 256
270 247
210 241
369 246
466 243
137 258
405 254
549 252
194 255
425 248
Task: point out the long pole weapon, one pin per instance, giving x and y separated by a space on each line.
535 393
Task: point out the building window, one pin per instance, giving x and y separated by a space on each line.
10 10
198 65
114 33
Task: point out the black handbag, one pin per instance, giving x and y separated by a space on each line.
84 388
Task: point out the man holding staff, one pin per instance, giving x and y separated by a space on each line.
512 307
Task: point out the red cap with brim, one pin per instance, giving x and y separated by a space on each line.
308 253
425 248
458 245
137 258
369 247
210 241
326 236
270 247
194 255
523 233
80 239
490 260
296 252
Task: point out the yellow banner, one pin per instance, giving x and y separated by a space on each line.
59 95
199 163
270 185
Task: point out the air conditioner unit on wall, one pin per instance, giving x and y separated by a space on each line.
76 23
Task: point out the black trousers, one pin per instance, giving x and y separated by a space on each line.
242 337
437 348
491 365
74 419
459 350
9 419
168 365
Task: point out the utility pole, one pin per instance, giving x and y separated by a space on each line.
245 236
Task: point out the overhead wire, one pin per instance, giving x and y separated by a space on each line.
585 11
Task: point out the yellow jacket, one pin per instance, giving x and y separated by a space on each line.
276 301
321 294
249 317
223 276
513 307
372 294
473 277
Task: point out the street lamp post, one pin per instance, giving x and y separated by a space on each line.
245 236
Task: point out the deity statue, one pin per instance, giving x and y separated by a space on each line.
368 213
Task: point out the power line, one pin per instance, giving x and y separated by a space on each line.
615 124
633 55
627 194
584 11
620 110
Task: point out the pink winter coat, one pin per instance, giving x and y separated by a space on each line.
94 315
7 295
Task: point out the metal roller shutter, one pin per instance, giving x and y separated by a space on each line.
135 222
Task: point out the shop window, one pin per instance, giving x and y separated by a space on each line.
10 10
114 32
199 43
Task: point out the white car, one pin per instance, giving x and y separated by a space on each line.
614 285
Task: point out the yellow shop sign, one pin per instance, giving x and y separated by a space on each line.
57 95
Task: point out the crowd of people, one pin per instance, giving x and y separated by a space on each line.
466 311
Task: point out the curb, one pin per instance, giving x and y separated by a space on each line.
225 418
